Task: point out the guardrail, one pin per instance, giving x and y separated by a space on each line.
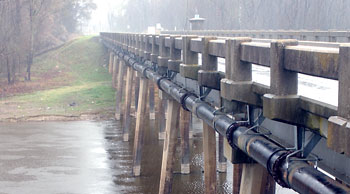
280 102
303 35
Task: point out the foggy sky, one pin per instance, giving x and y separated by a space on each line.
99 21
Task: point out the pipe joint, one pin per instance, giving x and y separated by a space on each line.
273 166
183 99
144 71
230 131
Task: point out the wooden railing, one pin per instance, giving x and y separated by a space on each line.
285 57
304 35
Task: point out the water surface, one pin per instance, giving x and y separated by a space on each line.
89 157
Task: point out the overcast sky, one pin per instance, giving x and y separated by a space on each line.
99 17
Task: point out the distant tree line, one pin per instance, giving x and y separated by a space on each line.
31 26
233 14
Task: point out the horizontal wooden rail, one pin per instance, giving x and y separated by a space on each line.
279 101
326 36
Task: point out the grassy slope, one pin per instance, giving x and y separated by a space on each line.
78 77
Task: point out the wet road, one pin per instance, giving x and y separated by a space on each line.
88 157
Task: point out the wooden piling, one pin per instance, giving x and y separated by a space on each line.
185 147
137 90
222 160
172 126
128 99
209 149
111 60
161 118
115 71
152 115
237 178
256 179
119 92
140 124
191 130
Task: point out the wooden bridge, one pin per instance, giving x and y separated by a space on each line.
270 133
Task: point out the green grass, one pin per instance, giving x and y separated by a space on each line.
87 82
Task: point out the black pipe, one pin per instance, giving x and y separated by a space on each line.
296 174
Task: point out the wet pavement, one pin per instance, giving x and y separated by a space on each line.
89 157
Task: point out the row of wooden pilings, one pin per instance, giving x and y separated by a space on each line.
134 92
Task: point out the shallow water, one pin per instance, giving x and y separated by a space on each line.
89 157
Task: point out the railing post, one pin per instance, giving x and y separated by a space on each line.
175 56
339 126
282 102
283 82
189 68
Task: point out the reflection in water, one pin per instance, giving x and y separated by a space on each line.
89 157
121 161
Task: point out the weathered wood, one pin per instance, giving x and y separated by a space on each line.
255 179
236 69
209 149
137 90
161 118
339 126
209 62
316 61
115 71
192 123
237 178
238 82
128 99
172 125
139 128
185 144
344 82
111 60
152 115
222 160
175 56
283 82
282 103
189 68
119 92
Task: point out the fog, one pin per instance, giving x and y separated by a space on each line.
138 15
99 17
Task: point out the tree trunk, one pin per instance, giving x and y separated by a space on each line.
31 51
11 74
13 69
8 70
